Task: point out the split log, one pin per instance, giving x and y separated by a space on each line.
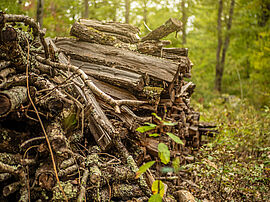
158 69
168 27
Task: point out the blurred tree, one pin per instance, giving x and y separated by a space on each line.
127 10
184 21
220 63
86 8
40 7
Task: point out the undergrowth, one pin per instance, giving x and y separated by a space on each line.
234 165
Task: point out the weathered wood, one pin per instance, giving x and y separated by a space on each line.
152 47
176 51
117 77
92 35
99 125
168 27
116 92
122 31
156 68
11 99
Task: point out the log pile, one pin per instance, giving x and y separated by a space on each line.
70 107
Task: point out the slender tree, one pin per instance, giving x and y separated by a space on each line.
219 46
145 11
226 42
127 10
86 9
221 61
184 21
40 8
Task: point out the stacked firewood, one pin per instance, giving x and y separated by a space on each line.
70 107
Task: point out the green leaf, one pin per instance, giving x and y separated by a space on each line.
143 168
155 115
158 188
70 122
163 153
150 124
168 123
143 129
155 198
175 138
176 164
167 170
154 135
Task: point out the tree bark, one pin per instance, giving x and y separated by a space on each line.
86 9
145 11
221 63
219 36
40 8
127 7
227 40
184 21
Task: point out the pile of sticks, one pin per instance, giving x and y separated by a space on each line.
70 107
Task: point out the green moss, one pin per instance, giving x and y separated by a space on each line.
69 189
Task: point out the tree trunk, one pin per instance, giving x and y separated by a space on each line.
221 63
184 21
40 7
227 40
145 12
218 77
127 7
86 9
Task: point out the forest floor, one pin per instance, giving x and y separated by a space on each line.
235 164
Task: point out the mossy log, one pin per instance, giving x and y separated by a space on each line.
123 32
92 35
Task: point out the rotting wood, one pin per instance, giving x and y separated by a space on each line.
157 68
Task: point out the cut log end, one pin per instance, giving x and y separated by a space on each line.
5 105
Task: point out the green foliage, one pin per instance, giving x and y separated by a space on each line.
155 115
235 164
70 122
154 135
175 138
176 164
143 129
155 198
143 168
163 153
158 188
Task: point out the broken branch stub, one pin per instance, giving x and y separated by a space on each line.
168 27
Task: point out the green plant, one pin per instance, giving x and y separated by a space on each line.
163 153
